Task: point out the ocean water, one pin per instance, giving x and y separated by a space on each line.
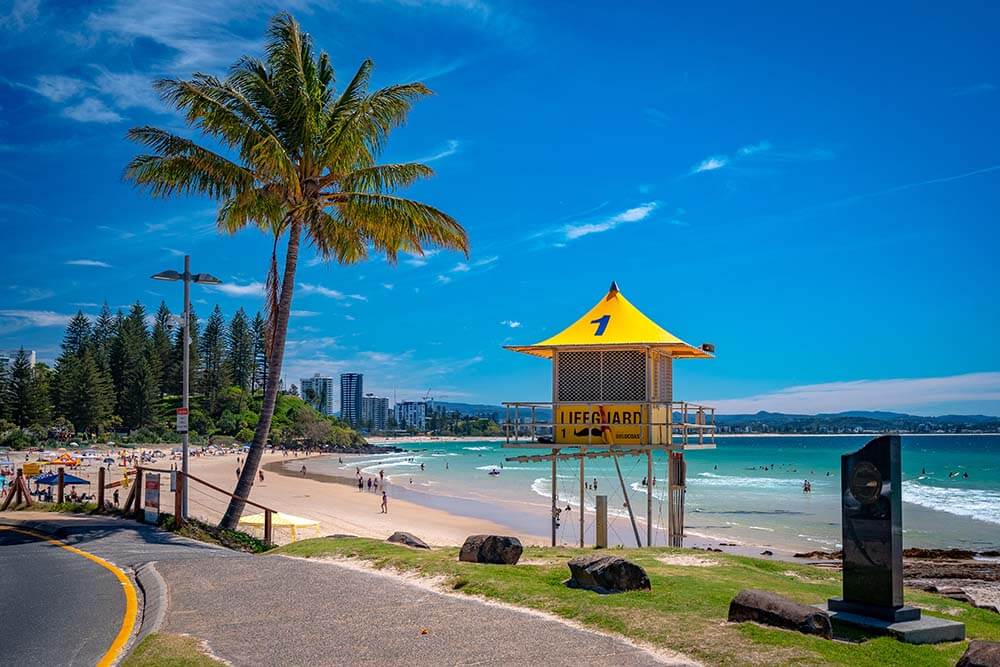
748 489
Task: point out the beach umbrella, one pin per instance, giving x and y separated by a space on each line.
52 478
281 520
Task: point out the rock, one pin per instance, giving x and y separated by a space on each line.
980 654
821 555
496 549
769 608
407 539
606 574
766 552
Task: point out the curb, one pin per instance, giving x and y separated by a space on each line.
154 594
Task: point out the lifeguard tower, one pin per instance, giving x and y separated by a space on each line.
612 396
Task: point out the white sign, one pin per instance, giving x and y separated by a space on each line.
151 482
182 420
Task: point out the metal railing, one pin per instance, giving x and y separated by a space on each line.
675 424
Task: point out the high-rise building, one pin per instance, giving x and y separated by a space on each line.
351 391
318 392
411 414
7 357
374 412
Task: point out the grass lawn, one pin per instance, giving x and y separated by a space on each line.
165 650
686 609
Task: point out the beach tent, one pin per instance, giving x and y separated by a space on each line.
64 460
281 520
52 478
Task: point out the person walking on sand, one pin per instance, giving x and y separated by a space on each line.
261 473
237 472
303 471
115 496
385 504
361 484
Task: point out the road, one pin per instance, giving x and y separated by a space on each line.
59 607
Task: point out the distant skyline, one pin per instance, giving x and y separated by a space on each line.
812 189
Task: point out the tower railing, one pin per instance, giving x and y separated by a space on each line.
669 424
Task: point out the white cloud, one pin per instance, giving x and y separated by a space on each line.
57 88
91 110
486 261
417 259
710 164
174 251
128 90
349 318
89 262
15 320
893 394
308 288
85 304
305 313
22 12
255 288
29 294
388 285
634 214
751 149
450 148
444 280
461 267
513 324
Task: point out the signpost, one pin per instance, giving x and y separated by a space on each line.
182 420
152 497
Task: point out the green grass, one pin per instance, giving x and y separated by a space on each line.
165 650
686 609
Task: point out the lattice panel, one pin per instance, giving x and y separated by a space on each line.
624 375
664 378
579 376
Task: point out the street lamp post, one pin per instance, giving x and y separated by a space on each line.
188 278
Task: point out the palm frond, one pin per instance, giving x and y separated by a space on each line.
385 177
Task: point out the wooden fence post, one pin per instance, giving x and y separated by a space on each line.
62 485
100 489
138 494
178 495
267 527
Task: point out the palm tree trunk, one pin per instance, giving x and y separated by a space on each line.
249 472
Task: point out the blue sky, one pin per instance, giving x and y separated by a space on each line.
813 190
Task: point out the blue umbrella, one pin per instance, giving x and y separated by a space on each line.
52 479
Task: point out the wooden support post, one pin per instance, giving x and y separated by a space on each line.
61 488
100 489
555 519
628 503
137 510
127 507
179 482
601 526
267 527
649 497
15 489
582 496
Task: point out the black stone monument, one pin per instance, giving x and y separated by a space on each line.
872 527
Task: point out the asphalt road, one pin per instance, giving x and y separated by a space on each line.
56 607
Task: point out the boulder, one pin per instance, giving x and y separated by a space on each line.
407 539
769 608
606 574
980 654
495 549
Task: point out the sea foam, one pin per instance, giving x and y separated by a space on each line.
976 503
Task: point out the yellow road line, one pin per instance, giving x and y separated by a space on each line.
131 600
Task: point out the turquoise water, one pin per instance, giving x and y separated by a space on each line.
748 490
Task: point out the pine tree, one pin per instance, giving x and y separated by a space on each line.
20 390
174 386
136 403
213 356
4 392
78 334
116 358
259 352
161 348
104 331
240 354
40 402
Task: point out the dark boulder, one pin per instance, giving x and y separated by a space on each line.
407 539
495 549
769 608
606 574
980 654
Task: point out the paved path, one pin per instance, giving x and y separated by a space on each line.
272 610
76 596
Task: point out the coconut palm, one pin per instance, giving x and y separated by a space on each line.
297 160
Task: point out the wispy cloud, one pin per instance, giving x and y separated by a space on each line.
486 261
174 251
58 88
305 313
20 15
461 267
513 324
15 320
308 288
893 394
89 262
710 164
444 280
634 214
421 260
112 230
91 110
433 71
450 148
753 149
657 116
255 288
388 285
127 89
30 294
980 88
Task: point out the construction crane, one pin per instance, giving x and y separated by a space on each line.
428 399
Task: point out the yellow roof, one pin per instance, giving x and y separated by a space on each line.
614 321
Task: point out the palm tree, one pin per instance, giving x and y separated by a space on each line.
298 160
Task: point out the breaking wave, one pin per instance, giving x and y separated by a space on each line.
975 503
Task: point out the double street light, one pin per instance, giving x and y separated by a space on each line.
188 278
